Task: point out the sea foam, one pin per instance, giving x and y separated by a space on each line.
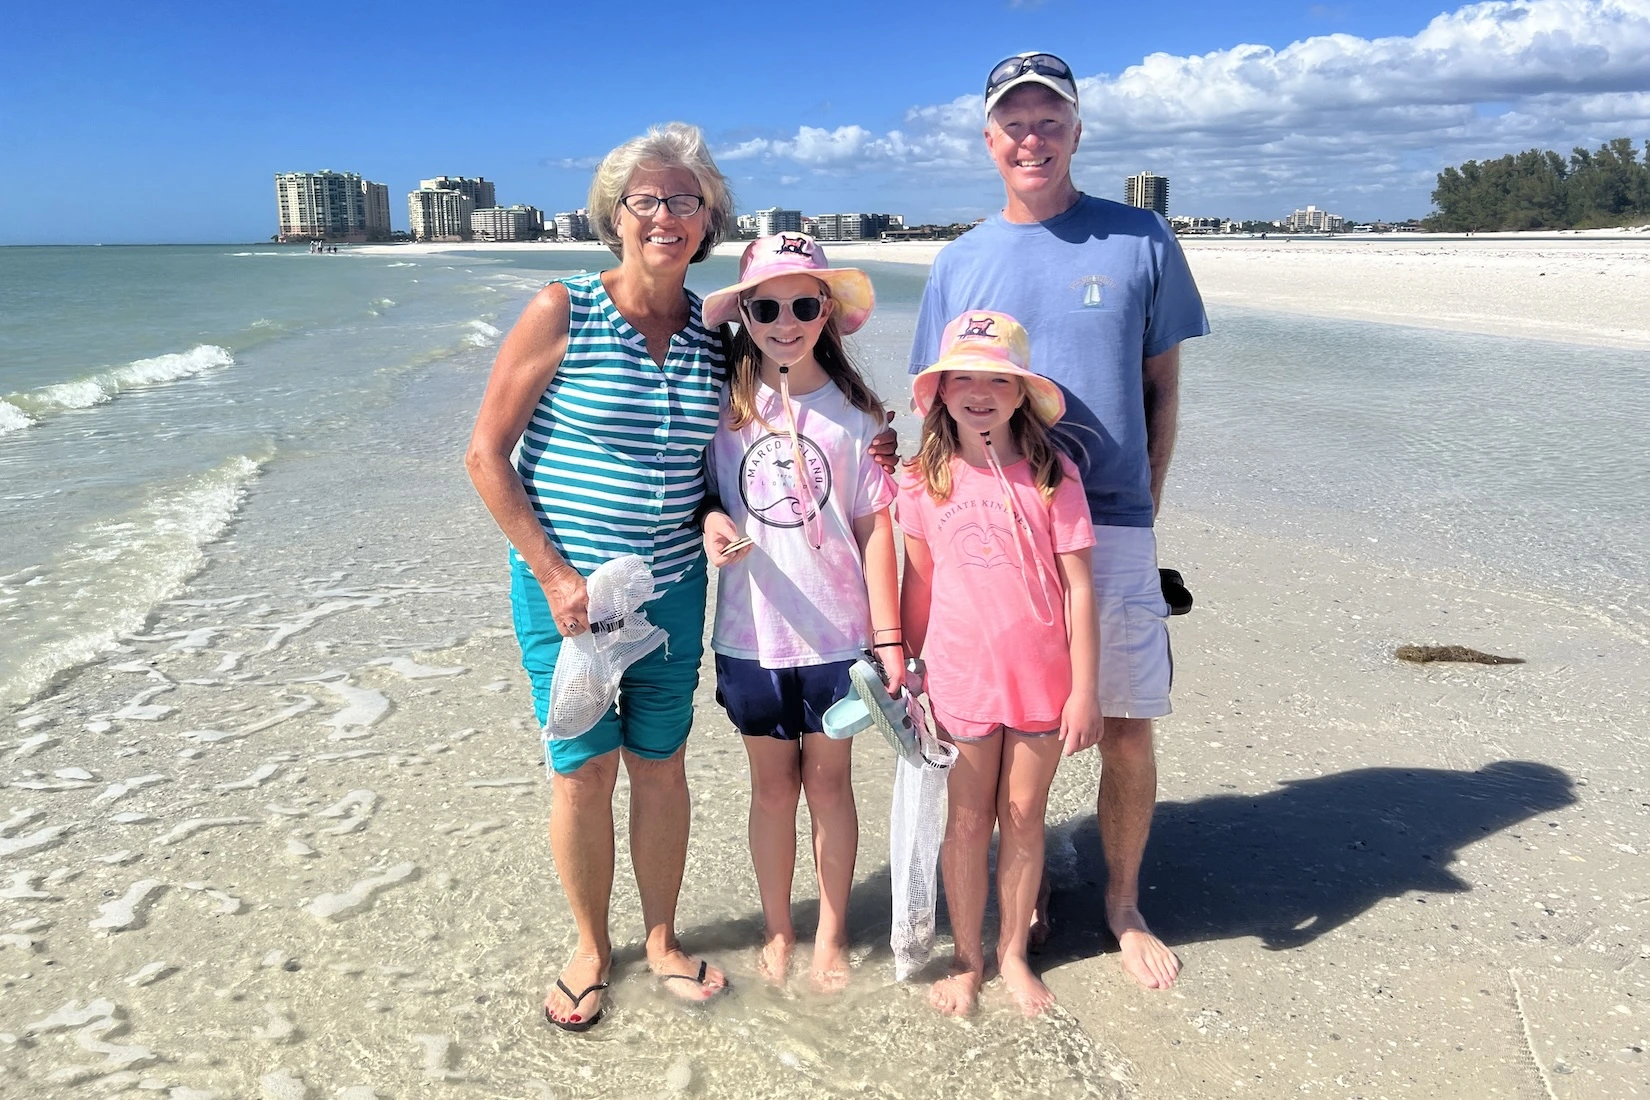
483 336
103 585
20 410
13 418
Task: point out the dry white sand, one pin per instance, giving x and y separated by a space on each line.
1583 291
1583 288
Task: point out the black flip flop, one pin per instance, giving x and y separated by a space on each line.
1175 592
580 1025
696 979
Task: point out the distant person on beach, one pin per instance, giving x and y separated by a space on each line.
808 580
997 540
610 382
1107 297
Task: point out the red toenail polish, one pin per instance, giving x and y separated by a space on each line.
573 1019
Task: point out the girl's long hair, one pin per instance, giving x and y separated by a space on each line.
1031 436
745 371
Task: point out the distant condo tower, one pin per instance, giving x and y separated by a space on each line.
774 220
331 206
482 193
439 213
1148 192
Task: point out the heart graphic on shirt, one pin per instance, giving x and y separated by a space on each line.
977 544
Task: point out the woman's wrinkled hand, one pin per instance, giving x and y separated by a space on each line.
569 599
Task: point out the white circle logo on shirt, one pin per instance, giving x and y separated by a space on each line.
768 480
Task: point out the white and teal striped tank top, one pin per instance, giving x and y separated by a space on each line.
613 458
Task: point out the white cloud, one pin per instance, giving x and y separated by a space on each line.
1252 130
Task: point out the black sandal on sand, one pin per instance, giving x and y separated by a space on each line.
576 1025
1175 592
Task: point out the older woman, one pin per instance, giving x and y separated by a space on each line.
610 383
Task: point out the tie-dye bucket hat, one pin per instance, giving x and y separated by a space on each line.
983 342
794 254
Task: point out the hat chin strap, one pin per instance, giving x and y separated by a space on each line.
1019 536
813 520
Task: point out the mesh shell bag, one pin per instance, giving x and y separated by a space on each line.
916 826
590 665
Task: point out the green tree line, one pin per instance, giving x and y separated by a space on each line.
1542 190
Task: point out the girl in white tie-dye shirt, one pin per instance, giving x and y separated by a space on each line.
815 585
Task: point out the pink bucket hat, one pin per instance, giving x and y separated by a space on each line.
794 254
983 342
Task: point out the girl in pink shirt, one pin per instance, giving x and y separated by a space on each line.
998 598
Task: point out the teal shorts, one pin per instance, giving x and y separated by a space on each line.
655 708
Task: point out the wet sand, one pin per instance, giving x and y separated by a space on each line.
290 842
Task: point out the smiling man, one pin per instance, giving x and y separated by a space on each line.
1105 293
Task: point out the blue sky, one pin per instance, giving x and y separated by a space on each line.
149 122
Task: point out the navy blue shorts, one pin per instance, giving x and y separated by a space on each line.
779 702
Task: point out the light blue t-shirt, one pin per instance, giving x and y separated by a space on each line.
1099 288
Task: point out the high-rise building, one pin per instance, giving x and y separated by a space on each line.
855 227
1148 192
439 214
482 192
506 223
774 220
574 225
377 196
330 206
1313 220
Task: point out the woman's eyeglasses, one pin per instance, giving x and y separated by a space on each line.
645 206
765 311
1043 64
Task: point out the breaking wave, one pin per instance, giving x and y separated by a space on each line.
19 410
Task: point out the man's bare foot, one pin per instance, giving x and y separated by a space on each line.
958 993
830 968
1037 934
773 959
686 977
1025 986
1146 958
583 973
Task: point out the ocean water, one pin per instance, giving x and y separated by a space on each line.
145 391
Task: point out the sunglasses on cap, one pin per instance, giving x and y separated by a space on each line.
765 311
1043 64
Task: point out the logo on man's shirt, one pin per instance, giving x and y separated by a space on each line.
1093 288
772 487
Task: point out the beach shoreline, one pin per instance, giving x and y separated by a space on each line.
1584 287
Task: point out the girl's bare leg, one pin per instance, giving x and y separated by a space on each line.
971 791
1028 765
776 784
828 779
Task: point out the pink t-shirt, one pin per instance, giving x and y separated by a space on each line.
786 604
989 658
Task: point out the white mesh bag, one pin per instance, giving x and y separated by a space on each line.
916 826
586 680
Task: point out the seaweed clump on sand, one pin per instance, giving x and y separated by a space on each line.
1422 654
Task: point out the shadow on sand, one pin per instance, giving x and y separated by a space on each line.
1285 866
1289 865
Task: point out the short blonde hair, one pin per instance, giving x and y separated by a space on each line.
672 145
